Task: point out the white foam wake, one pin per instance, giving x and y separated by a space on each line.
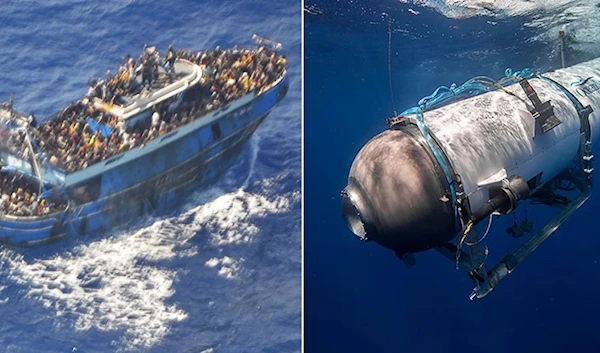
2 298
239 209
117 283
253 143
229 267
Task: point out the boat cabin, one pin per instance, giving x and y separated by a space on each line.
137 107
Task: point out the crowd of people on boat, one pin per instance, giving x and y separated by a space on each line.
18 197
69 142
124 83
229 74
13 142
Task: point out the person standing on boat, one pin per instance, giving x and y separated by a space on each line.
91 93
120 127
146 73
154 70
32 121
170 59
131 68
109 76
144 54
155 118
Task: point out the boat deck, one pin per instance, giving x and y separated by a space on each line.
165 86
72 141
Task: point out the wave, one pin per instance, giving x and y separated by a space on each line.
118 283
580 18
461 9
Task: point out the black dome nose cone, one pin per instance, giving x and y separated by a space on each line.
396 193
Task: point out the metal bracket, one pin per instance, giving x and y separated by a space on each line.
543 113
472 261
394 121
511 261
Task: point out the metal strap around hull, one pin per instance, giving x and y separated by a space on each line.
456 193
585 147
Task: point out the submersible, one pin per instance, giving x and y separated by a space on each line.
469 152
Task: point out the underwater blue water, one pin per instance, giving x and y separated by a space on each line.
358 296
222 273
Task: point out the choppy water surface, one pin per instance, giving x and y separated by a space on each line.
219 274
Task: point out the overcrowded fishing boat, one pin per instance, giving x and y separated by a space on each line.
137 142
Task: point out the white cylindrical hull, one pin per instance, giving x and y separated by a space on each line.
486 134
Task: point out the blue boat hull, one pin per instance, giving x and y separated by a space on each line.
154 182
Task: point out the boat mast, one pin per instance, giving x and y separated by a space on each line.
34 163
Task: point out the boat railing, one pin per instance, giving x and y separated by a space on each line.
273 84
93 170
140 102
43 218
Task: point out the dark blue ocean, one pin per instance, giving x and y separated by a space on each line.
358 296
222 273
